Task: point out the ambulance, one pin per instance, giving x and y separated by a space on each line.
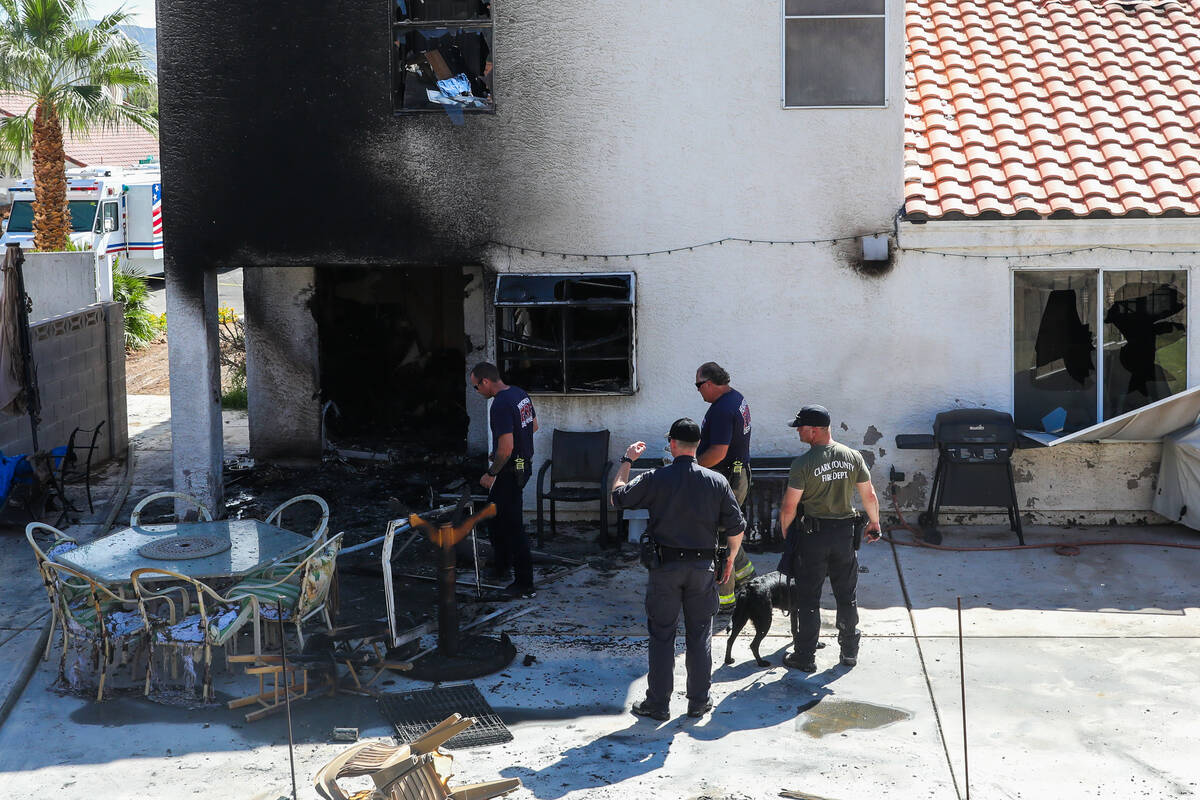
115 212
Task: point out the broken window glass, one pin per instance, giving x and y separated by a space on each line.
443 58
437 10
1054 350
834 53
569 334
1143 338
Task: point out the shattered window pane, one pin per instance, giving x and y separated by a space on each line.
1145 338
566 334
524 289
440 68
441 10
1054 350
443 56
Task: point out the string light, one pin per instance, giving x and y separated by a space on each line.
689 247
835 240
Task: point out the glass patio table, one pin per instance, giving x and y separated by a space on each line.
203 550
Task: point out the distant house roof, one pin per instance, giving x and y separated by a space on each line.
1064 108
123 147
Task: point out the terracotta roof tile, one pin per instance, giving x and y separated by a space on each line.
1057 107
123 147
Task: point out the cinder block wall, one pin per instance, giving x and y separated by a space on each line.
80 360
60 283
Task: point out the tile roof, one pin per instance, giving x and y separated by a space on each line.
122 147
1065 108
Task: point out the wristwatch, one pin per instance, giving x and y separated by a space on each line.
626 460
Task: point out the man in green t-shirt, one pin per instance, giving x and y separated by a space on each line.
825 478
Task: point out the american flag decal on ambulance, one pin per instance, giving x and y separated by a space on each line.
156 209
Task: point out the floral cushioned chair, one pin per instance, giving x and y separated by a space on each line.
214 623
94 618
299 594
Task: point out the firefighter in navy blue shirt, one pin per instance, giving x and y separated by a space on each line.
690 508
725 448
513 423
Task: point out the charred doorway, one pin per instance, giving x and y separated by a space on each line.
393 357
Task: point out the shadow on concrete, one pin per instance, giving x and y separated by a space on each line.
639 748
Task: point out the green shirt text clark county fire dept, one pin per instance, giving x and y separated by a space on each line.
827 475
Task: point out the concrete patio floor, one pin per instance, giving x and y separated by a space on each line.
1080 682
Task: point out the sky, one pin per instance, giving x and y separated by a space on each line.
142 10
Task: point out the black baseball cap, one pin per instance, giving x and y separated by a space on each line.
684 429
814 416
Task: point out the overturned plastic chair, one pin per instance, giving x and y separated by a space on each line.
414 771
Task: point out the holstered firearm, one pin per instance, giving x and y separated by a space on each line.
648 552
860 525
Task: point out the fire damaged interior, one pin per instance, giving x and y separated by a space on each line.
569 334
392 356
443 55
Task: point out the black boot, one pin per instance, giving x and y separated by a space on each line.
849 645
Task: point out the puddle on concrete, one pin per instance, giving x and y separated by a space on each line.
837 716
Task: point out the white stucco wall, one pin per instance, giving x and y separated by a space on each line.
885 354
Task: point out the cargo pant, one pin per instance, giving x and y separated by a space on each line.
828 552
743 567
687 586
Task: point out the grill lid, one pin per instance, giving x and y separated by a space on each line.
982 425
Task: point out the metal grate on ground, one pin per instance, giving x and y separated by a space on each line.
414 713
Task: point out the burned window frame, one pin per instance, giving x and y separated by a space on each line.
567 348
1104 347
786 17
403 27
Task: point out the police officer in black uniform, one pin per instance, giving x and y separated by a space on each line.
688 505
825 478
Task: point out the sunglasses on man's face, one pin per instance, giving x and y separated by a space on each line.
475 385
701 383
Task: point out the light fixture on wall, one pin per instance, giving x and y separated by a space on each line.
875 247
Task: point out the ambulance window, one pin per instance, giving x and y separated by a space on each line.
108 211
83 215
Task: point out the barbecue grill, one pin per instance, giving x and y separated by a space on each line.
974 466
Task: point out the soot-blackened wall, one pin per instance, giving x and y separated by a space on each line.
279 144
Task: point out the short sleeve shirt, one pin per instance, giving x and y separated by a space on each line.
727 422
827 475
512 412
689 505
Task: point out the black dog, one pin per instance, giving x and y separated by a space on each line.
756 602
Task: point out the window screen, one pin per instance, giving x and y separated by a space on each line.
834 53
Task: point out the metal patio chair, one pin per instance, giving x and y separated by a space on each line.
578 468
214 623
135 518
60 543
91 613
300 594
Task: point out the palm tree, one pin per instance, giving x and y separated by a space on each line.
74 74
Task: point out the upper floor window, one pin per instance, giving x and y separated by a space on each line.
835 53
443 55
1090 345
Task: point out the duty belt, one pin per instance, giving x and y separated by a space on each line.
816 524
669 554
